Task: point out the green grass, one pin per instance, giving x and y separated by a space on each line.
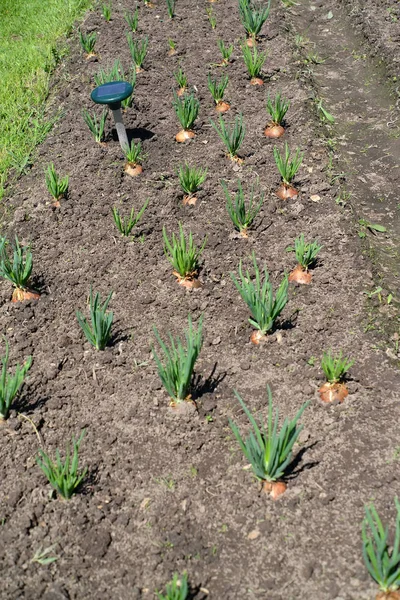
30 34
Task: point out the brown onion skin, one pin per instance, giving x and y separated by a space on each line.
333 392
133 169
222 106
257 337
274 131
189 200
184 135
274 488
20 295
300 275
285 192
251 43
388 595
181 91
256 81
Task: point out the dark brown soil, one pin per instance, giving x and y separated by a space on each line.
171 492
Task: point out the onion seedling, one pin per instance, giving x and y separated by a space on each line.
106 9
98 331
232 136
335 369
184 257
187 110
138 50
191 179
132 19
242 214
10 385
254 61
171 8
18 270
265 307
63 476
381 558
172 47
211 17
179 360
113 73
126 224
217 91
306 255
268 450
287 168
177 589
226 52
134 156
253 19
57 186
96 127
182 82
88 42
277 109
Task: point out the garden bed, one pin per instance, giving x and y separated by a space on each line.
168 492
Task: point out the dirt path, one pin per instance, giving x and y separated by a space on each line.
169 493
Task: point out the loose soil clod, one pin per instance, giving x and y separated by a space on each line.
184 135
333 392
286 192
274 488
300 275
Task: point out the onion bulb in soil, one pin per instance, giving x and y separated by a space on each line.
20 295
285 192
133 169
185 407
189 200
251 42
333 392
190 282
222 106
184 135
181 91
388 596
300 275
256 81
273 130
274 488
171 52
257 337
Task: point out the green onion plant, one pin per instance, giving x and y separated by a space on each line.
267 448
277 108
17 270
211 17
138 50
232 136
10 385
226 52
306 253
217 89
254 60
96 126
187 110
242 213
253 17
106 10
134 153
181 79
171 8
57 186
183 254
172 46
176 589
176 370
63 475
335 367
265 307
113 73
132 20
288 166
381 558
88 41
126 224
191 178
98 330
